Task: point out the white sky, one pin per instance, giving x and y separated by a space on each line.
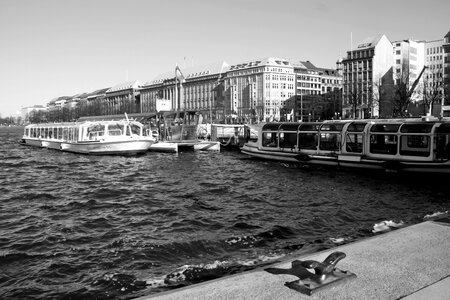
51 48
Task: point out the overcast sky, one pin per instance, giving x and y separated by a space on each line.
51 48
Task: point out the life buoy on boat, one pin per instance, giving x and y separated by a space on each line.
227 143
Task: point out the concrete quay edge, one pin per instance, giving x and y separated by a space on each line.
408 263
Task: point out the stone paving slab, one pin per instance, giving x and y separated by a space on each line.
407 262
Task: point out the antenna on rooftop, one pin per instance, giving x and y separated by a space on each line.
351 41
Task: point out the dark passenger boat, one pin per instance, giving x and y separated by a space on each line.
409 145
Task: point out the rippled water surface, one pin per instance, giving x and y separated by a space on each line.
109 227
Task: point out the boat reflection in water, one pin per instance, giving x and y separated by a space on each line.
122 137
410 145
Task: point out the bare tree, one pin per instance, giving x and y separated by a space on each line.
433 91
402 95
354 99
447 94
378 95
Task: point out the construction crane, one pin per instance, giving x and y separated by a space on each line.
414 85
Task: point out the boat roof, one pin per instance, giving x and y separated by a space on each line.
83 123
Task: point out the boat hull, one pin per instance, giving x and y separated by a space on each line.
347 161
111 148
32 142
56 145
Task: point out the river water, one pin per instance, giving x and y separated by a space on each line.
112 227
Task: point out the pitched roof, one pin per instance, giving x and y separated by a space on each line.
191 72
98 92
447 35
369 42
328 72
267 61
303 64
125 86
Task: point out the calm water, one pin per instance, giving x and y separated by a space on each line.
101 227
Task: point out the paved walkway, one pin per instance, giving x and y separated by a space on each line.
409 263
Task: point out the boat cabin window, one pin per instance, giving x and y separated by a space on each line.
96 131
383 144
417 128
307 140
269 139
385 127
415 145
133 129
115 129
415 140
329 141
289 127
356 127
354 137
332 127
443 141
309 127
65 133
271 127
354 142
71 134
270 135
308 136
288 135
288 140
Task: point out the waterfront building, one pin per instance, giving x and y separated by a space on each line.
257 90
446 73
318 92
55 109
93 104
434 76
122 98
26 112
332 91
367 77
408 63
308 85
194 90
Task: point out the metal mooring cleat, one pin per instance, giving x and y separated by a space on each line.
325 274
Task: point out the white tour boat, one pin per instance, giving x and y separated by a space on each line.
123 137
412 145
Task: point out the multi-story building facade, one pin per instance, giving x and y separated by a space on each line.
367 72
332 91
318 92
308 78
433 88
258 90
92 103
446 69
192 90
25 112
122 98
408 64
